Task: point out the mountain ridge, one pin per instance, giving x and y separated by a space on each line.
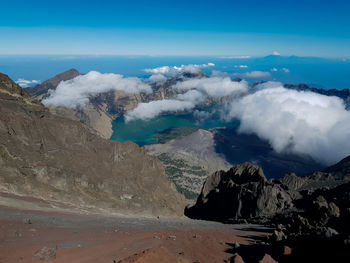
53 82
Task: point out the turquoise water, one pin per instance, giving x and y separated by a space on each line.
141 131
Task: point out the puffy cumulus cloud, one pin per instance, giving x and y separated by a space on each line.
149 110
154 108
215 87
296 121
256 74
25 83
157 78
77 91
193 68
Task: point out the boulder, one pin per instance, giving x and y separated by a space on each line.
242 192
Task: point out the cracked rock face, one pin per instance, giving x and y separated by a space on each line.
50 157
240 193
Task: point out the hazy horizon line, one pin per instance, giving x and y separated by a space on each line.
149 55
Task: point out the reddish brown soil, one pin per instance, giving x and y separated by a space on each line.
93 238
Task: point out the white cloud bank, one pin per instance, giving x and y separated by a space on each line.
215 87
77 91
196 92
296 121
183 102
167 70
25 83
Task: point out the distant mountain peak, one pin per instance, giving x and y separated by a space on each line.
52 83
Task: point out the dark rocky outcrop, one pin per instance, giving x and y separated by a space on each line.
309 216
242 192
46 156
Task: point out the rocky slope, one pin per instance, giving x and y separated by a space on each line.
189 160
94 117
50 157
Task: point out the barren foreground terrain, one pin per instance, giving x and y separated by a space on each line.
32 230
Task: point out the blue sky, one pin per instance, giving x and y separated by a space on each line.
211 28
